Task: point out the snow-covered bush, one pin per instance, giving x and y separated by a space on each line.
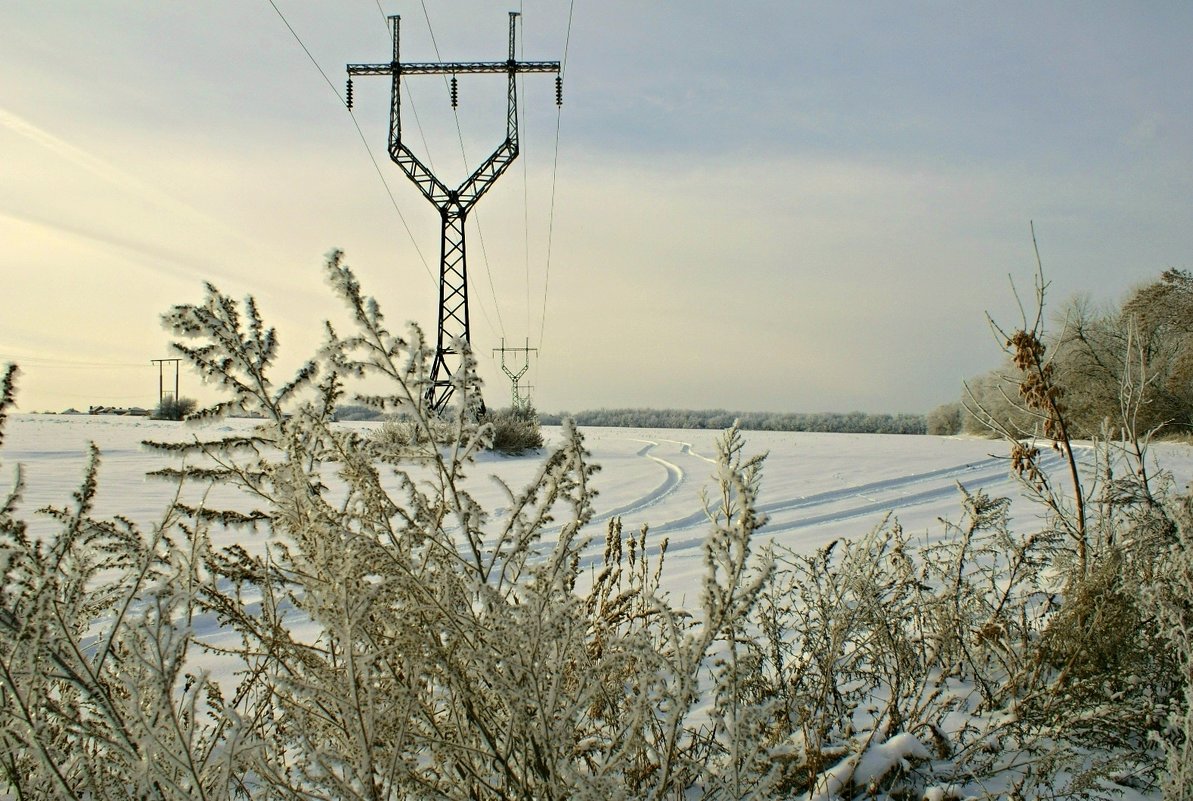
946 419
94 646
1109 658
515 430
1172 595
383 636
403 438
172 408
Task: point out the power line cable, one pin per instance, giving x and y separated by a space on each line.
554 175
72 364
95 396
525 178
419 124
364 140
475 216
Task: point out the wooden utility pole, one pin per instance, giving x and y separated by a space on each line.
161 391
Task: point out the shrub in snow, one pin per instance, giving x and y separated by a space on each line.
403 438
945 419
514 430
172 408
1171 595
383 636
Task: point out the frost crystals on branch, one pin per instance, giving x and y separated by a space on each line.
375 633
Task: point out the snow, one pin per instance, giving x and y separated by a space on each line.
871 765
816 488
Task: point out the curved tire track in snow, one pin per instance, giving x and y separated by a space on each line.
671 482
914 490
686 449
951 474
795 512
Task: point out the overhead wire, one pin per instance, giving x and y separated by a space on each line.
463 153
364 140
525 176
567 40
72 364
94 396
474 215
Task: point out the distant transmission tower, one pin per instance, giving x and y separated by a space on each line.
453 204
520 402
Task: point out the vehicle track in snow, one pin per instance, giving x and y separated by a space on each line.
674 477
796 512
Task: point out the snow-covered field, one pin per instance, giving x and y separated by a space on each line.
816 487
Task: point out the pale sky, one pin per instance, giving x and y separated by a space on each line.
778 206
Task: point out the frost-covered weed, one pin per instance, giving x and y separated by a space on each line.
389 638
1108 658
1171 592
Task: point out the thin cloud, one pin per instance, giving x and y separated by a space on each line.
182 212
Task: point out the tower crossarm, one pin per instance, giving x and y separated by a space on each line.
453 67
476 184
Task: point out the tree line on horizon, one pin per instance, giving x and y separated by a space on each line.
827 422
720 419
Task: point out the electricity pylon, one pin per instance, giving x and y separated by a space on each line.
453 204
520 403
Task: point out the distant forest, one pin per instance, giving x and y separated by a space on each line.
850 423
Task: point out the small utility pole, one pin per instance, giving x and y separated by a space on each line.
520 403
161 392
453 204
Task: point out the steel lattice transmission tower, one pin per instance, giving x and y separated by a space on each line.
520 402
453 204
